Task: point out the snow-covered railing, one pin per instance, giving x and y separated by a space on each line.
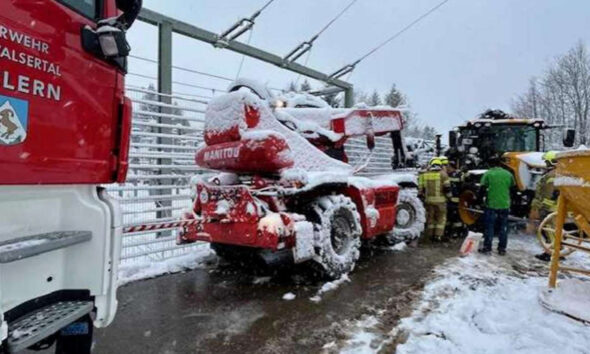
164 139
380 162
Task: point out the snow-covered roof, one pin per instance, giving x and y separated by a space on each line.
301 100
515 121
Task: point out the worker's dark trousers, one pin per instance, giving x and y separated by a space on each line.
496 222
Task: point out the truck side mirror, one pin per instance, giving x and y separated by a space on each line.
107 43
569 138
452 139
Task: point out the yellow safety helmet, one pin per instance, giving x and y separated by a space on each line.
550 157
441 160
435 162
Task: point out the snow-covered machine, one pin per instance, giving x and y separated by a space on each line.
64 131
285 191
517 140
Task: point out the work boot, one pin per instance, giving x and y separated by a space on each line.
485 251
543 257
502 252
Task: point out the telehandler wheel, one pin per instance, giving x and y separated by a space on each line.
546 234
338 234
410 218
469 210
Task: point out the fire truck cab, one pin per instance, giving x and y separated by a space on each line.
64 131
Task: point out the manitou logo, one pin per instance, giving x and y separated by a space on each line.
222 154
13 120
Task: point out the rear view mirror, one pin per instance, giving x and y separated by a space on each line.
108 43
113 42
569 138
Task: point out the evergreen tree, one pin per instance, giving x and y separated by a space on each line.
429 133
395 98
292 87
375 99
305 86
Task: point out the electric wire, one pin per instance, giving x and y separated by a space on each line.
244 56
349 68
184 69
240 27
334 19
306 46
181 68
403 30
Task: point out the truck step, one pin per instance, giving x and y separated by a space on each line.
37 325
29 246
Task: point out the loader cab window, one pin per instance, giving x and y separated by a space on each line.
515 138
87 8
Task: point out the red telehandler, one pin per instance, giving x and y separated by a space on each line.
285 191
64 131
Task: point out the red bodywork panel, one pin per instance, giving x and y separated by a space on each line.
70 104
230 215
237 221
267 155
382 199
339 124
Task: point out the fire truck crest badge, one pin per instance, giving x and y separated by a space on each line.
14 114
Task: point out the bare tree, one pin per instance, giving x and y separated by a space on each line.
561 96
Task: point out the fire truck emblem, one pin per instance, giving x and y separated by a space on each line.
13 120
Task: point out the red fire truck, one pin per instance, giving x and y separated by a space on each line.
64 131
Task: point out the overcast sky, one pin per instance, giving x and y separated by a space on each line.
464 58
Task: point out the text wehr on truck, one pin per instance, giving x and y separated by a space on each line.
22 83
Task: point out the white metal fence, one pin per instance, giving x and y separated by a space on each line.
164 140
163 145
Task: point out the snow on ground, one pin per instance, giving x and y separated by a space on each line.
399 246
570 298
330 286
486 304
289 296
153 268
360 341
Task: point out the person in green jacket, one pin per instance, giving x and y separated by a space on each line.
497 183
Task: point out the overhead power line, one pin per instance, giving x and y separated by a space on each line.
185 69
240 27
349 68
305 47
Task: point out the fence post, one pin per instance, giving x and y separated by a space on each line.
165 87
349 97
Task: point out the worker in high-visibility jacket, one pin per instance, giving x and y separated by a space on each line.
433 188
546 195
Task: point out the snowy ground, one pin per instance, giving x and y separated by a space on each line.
146 269
481 304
